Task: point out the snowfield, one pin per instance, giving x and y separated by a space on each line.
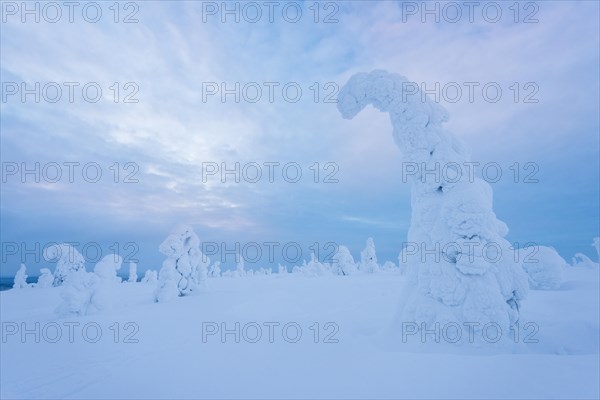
296 337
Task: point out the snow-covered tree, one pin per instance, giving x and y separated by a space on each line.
545 267
389 266
596 245
462 287
368 258
282 269
77 292
581 260
88 292
132 272
240 270
402 258
150 277
215 270
185 267
315 268
46 279
21 278
67 258
343 262
105 294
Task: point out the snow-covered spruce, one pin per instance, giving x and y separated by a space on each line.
150 277
581 260
132 272
88 292
240 268
184 271
343 262
544 266
368 258
68 260
21 278
454 286
46 279
214 271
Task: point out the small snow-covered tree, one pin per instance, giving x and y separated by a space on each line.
596 245
402 262
185 266
581 260
282 269
45 279
215 270
67 258
21 278
315 268
150 277
105 295
343 262
389 266
544 266
132 272
240 267
368 258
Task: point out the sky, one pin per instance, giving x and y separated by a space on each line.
179 102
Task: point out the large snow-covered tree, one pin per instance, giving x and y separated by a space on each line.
185 269
451 216
67 259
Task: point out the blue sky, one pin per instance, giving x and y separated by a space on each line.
170 132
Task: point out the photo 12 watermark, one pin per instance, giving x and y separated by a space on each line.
70 332
270 332
69 92
270 172
69 172
252 12
455 12
471 332
52 12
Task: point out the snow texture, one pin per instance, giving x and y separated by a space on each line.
457 283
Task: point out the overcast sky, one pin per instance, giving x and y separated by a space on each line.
175 58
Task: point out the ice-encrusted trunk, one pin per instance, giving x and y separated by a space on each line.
460 267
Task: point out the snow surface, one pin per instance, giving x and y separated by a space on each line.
369 359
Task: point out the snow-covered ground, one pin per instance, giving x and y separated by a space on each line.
299 337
